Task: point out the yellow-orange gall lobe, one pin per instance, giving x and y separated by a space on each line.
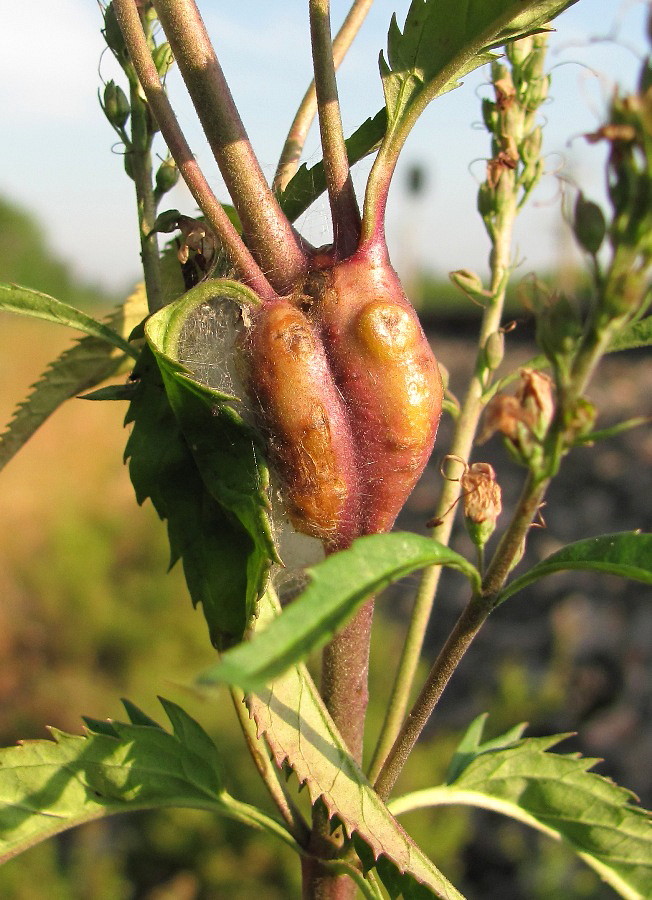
386 331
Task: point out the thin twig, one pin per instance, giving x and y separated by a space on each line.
273 242
239 255
344 206
296 139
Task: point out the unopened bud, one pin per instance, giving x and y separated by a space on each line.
481 501
116 105
163 58
167 176
589 224
468 282
494 349
113 35
518 51
489 114
530 148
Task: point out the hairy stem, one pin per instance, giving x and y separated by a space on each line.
344 207
140 156
270 235
448 660
239 255
345 669
294 143
461 446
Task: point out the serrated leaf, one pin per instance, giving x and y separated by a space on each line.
227 452
213 548
49 786
310 183
338 587
637 334
628 554
555 794
300 732
443 40
83 366
27 302
471 745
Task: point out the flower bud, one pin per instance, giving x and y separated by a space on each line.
518 51
530 148
167 176
468 282
494 349
589 224
489 114
481 501
163 58
116 105
113 35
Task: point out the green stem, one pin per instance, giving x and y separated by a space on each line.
270 235
239 255
344 207
461 446
448 660
140 153
296 138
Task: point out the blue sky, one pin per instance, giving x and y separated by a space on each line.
57 158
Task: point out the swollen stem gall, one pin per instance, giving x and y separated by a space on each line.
348 393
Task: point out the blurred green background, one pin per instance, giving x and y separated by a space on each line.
88 614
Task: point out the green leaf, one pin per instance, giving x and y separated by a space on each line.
26 302
443 40
555 794
339 586
49 786
299 731
628 554
470 746
310 183
214 548
228 453
637 334
86 364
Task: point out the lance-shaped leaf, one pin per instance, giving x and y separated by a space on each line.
86 364
556 794
299 731
229 453
26 302
443 40
49 786
338 587
310 183
215 549
628 554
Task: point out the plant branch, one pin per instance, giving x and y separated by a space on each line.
458 642
239 255
344 207
461 446
140 153
294 143
270 235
